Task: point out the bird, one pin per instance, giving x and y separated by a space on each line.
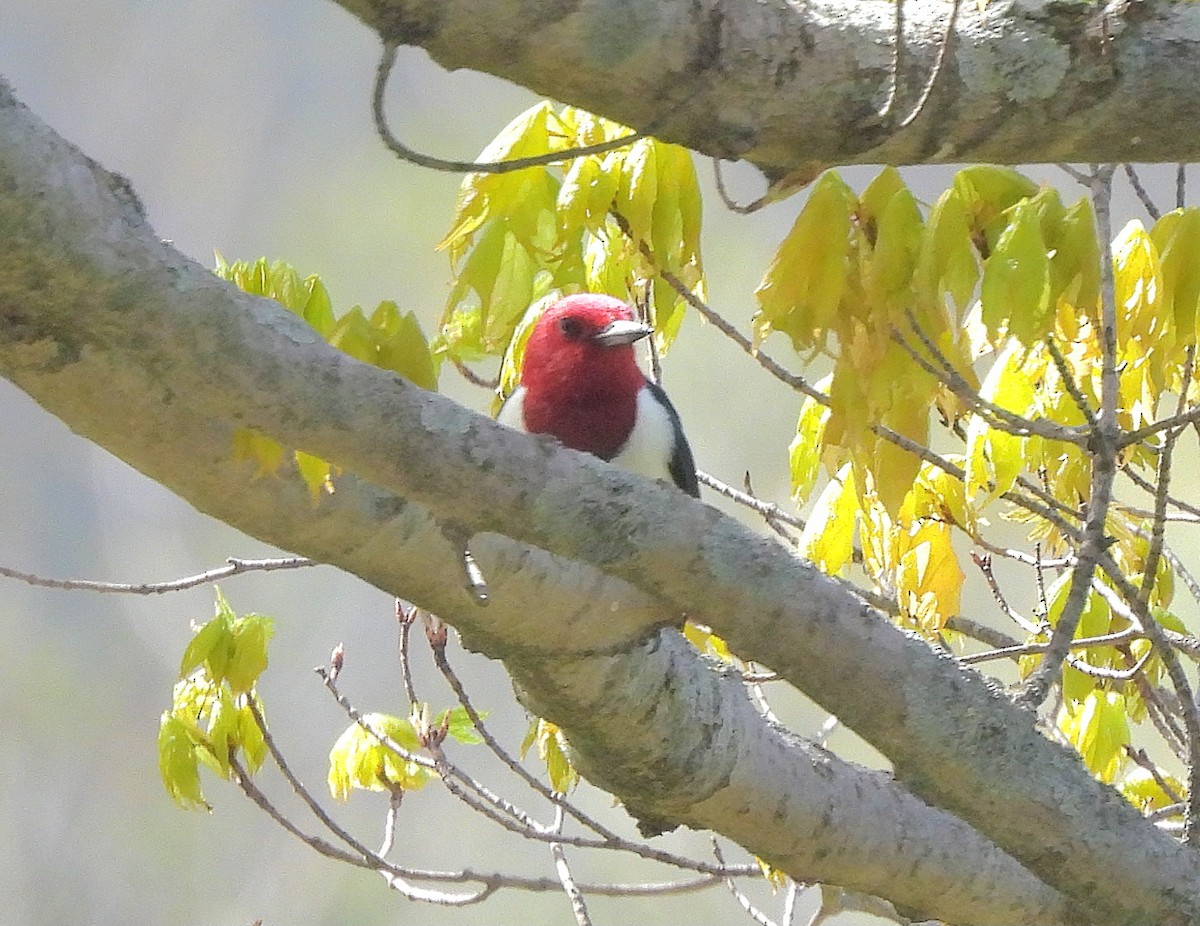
581 383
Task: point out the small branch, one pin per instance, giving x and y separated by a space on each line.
233 567
769 510
1142 483
1103 445
384 71
485 382
406 616
1068 381
938 63
743 901
728 201
578 905
1180 185
1075 174
996 416
1147 202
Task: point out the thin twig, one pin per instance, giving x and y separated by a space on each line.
1136 183
1142 483
1180 185
384 71
997 416
610 840
728 201
233 567
574 894
1162 487
938 63
1068 381
406 616
889 102
743 901
1075 174
485 382
1103 445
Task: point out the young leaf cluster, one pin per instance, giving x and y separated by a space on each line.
607 223
387 338
210 721
379 753
983 313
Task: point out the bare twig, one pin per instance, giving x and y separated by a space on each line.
743 901
406 615
384 71
1103 445
1068 381
1144 197
233 567
574 894
938 64
728 201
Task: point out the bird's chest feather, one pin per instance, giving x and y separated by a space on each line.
590 420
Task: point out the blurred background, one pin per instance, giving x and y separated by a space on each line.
245 128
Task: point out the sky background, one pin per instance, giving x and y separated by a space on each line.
245 128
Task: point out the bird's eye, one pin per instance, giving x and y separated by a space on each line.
571 328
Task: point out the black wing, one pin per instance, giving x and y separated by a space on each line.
682 466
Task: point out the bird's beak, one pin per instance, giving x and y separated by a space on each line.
620 332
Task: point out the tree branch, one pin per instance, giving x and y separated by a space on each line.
1068 82
153 357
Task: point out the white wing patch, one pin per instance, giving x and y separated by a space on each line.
512 412
649 448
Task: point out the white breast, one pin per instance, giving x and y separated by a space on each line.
648 450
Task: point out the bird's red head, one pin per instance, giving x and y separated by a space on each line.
580 375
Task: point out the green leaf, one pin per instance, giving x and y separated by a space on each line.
1177 236
177 764
360 760
250 739
461 727
996 458
828 537
802 288
248 659
638 189
897 245
1016 280
1099 730
947 261
403 348
804 453
211 641
1075 266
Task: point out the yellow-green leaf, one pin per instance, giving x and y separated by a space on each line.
248 658
800 293
1016 279
177 764
804 453
828 537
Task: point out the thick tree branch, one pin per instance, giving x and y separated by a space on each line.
151 356
793 87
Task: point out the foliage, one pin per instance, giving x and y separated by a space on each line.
387 338
975 324
379 752
211 720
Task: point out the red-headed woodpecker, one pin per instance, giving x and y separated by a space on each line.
581 384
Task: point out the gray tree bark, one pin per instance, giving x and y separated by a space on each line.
794 87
